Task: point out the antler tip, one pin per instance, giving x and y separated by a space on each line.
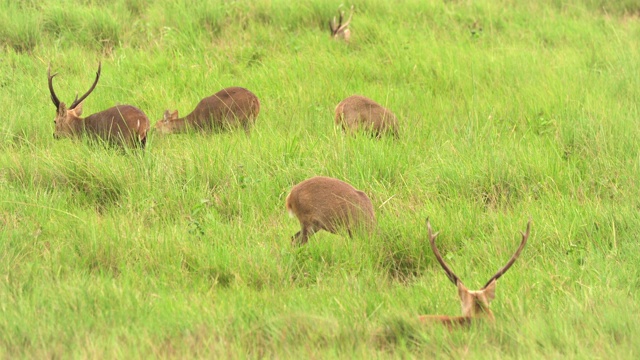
432 236
528 230
49 72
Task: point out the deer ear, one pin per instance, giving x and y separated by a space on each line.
490 291
62 109
166 116
78 109
174 115
466 299
463 292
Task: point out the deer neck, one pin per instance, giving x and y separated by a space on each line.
179 125
479 311
78 125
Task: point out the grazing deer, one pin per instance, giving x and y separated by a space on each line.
232 107
324 203
359 112
475 304
340 30
121 124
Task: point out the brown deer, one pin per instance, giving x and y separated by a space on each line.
340 30
232 107
359 112
324 203
475 304
121 124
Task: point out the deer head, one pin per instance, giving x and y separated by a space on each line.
340 30
474 303
169 123
68 120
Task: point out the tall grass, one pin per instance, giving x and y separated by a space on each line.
509 111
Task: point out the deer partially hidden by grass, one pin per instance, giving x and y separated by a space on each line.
340 30
475 304
359 113
233 107
324 203
121 124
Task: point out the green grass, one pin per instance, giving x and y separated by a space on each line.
184 250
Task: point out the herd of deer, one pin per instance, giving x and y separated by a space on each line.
319 203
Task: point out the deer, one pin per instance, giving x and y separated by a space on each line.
325 203
340 30
475 304
358 112
229 108
123 125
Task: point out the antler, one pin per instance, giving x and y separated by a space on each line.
78 101
54 98
432 240
333 26
344 26
525 237
336 28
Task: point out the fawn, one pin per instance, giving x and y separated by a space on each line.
361 113
324 203
232 107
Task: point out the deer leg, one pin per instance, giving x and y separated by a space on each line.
247 127
301 237
295 237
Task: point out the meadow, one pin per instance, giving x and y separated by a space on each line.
508 111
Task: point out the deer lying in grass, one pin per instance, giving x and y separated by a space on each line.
361 113
121 124
232 107
475 304
324 203
340 30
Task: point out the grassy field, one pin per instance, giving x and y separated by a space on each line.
508 110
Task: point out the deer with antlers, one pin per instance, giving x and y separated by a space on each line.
475 304
121 124
340 30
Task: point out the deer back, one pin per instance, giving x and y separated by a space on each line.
331 203
361 113
123 124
